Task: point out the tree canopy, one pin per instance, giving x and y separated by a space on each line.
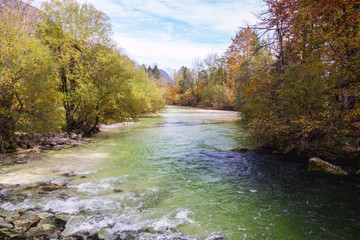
62 70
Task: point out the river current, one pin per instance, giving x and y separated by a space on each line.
173 173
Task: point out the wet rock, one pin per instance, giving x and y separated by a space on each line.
58 147
94 237
151 230
53 141
25 222
50 227
73 136
5 224
318 165
49 187
64 196
240 149
74 237
83 236
215 237
45 147
17 215
21 161
128 235
69 174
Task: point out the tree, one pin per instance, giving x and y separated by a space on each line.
308 99
242 49
28 100
73 32
185 81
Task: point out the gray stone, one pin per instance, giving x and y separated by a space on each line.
318 165
21 161
5 224
58 147
45 147
73 136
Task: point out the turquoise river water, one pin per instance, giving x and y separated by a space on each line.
174 173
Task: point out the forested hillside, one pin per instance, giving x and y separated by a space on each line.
60 70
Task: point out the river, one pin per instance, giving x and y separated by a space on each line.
174 173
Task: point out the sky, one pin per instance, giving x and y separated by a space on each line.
172 33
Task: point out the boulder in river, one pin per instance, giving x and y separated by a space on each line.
318 165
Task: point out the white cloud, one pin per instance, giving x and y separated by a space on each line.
164 52
174 32
224 16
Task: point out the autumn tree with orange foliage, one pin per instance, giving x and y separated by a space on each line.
308 98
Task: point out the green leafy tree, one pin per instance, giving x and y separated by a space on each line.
28 100
73 32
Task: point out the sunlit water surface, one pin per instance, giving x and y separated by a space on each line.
177 176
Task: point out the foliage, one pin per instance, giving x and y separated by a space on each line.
98 83
294 77
308 98
28 100
60 65
206 84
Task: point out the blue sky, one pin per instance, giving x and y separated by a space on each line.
172 33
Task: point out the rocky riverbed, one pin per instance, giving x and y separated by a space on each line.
38 223
33 144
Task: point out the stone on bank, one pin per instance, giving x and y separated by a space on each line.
318 165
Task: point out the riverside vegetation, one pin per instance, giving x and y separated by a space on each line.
294 77
60 70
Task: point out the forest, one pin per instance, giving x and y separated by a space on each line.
61 71
294 77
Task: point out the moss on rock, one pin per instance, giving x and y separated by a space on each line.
318 165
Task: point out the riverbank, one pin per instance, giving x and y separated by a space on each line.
33 144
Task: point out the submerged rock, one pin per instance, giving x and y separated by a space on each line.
318 165
83 236
21 161
240 149
49 187
128 235
215 237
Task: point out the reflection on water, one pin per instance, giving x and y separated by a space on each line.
173 173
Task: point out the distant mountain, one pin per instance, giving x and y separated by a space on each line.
31 13
164 77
